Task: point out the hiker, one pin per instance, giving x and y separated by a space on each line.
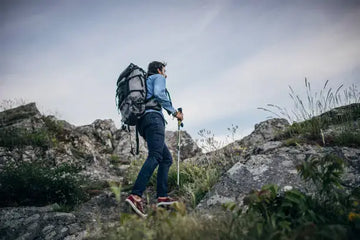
151 127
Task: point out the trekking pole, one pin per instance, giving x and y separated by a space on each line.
180 124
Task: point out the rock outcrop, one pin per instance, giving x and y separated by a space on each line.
49 222
261 159
274 165
103 150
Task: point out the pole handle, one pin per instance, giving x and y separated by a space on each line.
180 124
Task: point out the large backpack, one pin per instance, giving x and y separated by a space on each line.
131 96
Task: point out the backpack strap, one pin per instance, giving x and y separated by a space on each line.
137 140
131 145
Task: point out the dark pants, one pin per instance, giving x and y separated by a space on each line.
152 128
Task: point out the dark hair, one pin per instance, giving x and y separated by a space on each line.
154 66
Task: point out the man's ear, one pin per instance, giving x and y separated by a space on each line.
159 72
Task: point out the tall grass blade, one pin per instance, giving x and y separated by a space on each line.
327 81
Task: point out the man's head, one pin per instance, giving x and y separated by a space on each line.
156 67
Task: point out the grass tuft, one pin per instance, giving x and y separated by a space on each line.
327 212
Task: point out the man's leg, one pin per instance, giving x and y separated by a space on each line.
163 170
155 137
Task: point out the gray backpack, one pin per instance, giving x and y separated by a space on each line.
131 100
131 95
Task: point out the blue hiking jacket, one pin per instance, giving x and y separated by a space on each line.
156 87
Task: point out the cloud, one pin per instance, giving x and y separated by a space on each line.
319 55
225 59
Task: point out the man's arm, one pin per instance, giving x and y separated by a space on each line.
160 94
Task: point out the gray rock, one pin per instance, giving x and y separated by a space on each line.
275 167
64 217
267 147
104 151
264 132
34 227
50 235
188 147
91 146
74 228
259 141
19 115
32 219
47 229
26 236
63 231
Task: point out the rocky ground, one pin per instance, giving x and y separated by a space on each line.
258 159
103 152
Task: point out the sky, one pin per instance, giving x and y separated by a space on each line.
224 58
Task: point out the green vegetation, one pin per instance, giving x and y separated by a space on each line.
37 184
11 138
162 224
114 159
293 141
348 139
55 128
311 118
45 137
312 130
327 210
195 181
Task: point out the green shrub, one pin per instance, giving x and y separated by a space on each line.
348 139
17 137
36 184
55 128
311 131
322 213
45 137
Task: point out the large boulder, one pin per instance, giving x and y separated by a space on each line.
264 131
274 166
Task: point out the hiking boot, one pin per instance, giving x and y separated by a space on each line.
137 205
165 201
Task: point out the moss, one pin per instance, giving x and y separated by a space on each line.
114 159
294 141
